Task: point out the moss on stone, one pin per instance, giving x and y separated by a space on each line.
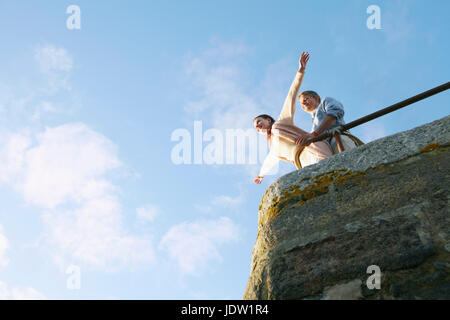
430 147
317 187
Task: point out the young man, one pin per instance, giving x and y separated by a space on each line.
326 114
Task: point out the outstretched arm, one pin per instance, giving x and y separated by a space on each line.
289 104
268 164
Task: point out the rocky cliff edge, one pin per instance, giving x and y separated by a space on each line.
323 229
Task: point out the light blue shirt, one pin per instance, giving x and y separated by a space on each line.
331 107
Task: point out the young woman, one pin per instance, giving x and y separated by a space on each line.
284 137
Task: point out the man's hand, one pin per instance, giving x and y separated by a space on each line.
258 179
326 123
304 138
303 61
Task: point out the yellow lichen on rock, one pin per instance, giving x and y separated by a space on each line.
317 187
430 147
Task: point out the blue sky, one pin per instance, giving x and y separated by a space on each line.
87 118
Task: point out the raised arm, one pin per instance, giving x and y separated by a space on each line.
289 104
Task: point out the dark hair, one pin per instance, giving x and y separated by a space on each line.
265 116
310 93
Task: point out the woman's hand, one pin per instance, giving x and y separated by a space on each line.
258 179
303 61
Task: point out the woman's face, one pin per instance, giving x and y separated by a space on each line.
262 125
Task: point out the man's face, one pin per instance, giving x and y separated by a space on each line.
262 125
309 103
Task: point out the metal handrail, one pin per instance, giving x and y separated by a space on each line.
382 112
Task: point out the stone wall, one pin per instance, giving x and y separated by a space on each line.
385 203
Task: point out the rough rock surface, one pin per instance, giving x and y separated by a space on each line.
385 203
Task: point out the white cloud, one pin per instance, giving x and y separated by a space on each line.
55 65
147 212
13 106
220 202
3 247
371 131
203 208
28 98
53 59
224 98
68 164
93 235
194 244
395 23
227 201
42 108
68 167
225 49
64 171
15 293
12 155
220 79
